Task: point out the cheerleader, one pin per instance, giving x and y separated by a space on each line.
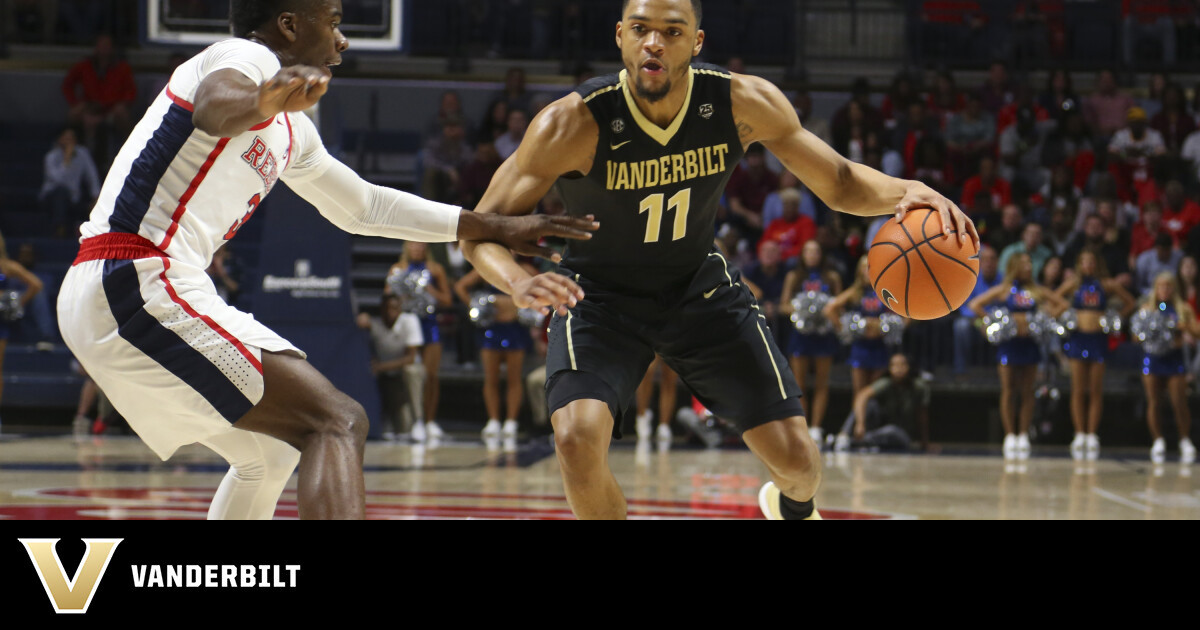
415 260
505 341
1087 346
1169 369
667 386
868 354
811 350
10 268
1019 357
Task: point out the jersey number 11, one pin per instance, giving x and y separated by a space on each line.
681 202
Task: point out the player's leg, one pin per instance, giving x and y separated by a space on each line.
582 433
259 469
791 456
431 356
301 407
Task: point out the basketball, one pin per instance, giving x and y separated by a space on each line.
918 272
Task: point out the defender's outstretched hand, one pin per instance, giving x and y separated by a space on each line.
547 291
922 196
293 89
521 234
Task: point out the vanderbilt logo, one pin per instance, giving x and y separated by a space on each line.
74 596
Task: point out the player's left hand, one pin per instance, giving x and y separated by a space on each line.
522 234
921 196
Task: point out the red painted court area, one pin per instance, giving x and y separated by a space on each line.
192 504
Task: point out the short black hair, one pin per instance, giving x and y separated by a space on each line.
696 8
247 15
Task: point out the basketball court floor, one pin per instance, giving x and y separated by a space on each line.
60 477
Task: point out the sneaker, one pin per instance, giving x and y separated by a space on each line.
842 443
817 434
1187 452
664 433
1010 446
418 432
768 502
643 425
434 431
509 432
1023 446
1092 447
491 431
80 425
1078 445
1158 452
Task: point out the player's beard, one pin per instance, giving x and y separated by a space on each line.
649 95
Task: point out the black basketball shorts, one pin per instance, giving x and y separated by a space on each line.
711 332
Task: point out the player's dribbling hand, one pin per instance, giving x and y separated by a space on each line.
293 89
522 234
922 196
547 291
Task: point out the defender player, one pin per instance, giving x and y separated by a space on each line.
649 151
142 316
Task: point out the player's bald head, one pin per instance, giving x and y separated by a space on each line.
247 15
696 8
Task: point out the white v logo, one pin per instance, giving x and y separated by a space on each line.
74 596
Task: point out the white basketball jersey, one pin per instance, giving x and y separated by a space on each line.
188 192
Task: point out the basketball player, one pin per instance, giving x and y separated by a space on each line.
650 151
139 312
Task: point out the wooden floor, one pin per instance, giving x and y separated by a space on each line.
60 477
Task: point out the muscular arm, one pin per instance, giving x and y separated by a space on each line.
763 114
229 103
560 140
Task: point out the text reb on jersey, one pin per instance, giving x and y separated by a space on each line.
668 169
262 159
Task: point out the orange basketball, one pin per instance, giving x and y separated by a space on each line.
917 271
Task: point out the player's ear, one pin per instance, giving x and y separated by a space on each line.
287 25
619 31
699 43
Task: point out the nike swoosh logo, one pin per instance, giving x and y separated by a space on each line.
614 147
710 293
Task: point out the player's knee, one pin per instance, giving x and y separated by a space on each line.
580 439
803 458
345 419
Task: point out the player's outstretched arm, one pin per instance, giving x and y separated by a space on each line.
763 114
560 140
228 103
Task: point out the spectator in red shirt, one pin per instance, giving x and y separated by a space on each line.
1180 214
1146 230
99 90
793 229
986 181
748 187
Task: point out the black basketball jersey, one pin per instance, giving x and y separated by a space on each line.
655 191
